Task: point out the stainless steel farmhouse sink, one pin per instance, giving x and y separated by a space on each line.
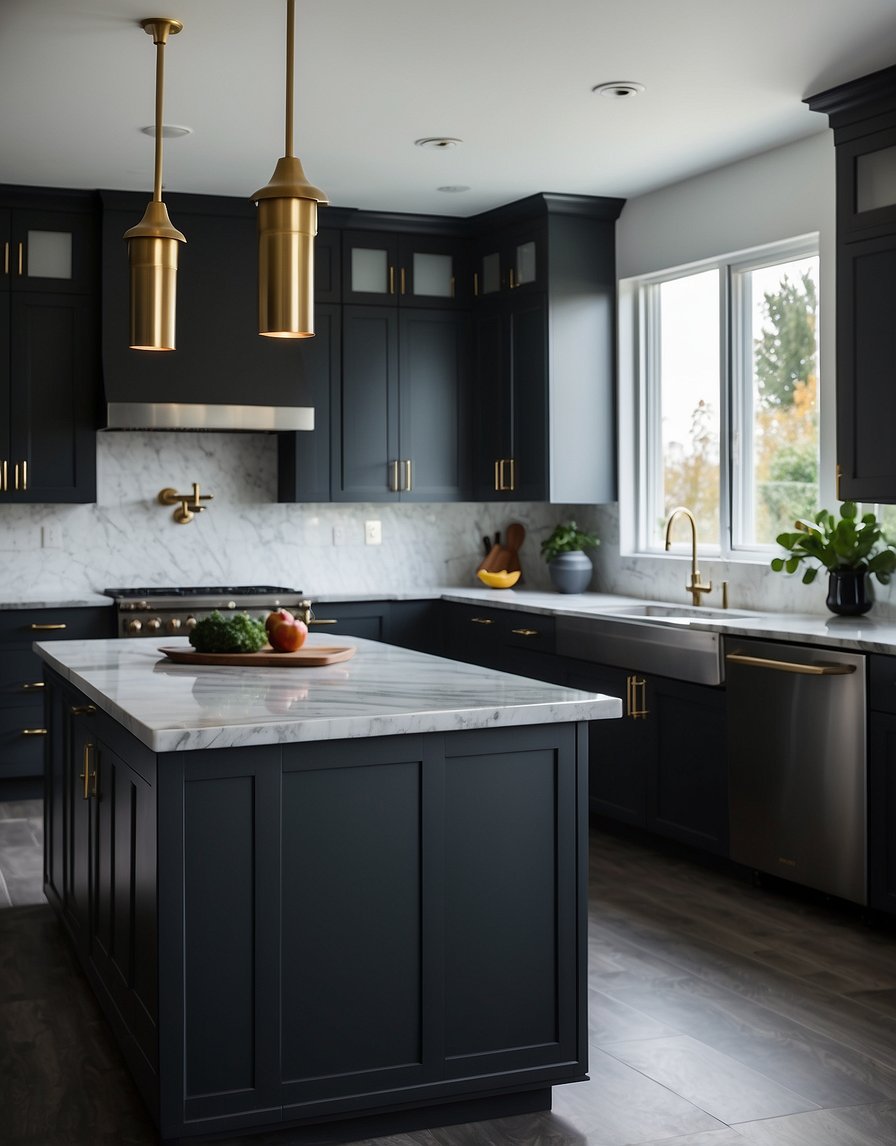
646 643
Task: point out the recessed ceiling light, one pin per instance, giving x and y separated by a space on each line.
619 89
437 142
453 188
169 130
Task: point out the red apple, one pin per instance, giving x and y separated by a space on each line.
277 618
287 636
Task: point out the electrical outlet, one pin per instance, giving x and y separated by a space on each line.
340 535
51 536
373 533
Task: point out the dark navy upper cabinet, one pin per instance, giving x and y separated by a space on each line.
398 418
862 114
50 379
544 316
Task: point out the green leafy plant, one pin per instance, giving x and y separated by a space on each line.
566 538
235 633
847 542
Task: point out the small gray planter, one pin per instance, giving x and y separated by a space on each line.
571 572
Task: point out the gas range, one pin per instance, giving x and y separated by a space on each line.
149 612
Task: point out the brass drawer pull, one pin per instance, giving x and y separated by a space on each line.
323 621
84 774
525 632
34 732
47 628
481 621
32 685
82 709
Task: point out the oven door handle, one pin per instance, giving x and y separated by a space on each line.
818 668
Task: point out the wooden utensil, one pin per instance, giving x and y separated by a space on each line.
514 538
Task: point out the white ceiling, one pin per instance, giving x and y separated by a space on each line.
511 78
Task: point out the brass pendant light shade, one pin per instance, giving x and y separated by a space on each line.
152 244
287 225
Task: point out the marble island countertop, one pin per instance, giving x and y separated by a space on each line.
381 691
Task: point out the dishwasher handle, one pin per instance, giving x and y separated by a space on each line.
824 668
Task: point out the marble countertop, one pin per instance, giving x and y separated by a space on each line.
381 691
52 599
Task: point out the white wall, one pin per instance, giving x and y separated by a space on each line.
776 195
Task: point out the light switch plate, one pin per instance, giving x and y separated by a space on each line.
373 533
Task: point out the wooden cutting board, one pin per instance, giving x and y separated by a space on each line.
312 657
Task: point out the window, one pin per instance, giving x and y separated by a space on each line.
727 397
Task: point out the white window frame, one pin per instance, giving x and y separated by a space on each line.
639 379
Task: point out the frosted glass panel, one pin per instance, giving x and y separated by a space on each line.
433 275
370 270
525 263
876 179
491 273
49 255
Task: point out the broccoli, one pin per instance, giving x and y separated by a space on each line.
236 633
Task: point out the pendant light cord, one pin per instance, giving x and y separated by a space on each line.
160 79
290 84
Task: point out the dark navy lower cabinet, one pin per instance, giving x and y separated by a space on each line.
387 930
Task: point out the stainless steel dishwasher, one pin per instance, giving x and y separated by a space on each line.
796 752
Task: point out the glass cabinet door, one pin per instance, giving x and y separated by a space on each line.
50 251
370 267
431 271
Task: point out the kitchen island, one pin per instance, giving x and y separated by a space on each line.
352 895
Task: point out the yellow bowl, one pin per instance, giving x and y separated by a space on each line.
499 580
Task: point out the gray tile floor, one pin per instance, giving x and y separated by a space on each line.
21 853
720 1015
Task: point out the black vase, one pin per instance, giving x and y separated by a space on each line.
849 593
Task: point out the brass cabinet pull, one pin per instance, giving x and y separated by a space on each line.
21 259
6 257
24 472
409 483
323 621
476 283
401 281
24 477
393 483
84 774
34 732
636 697
44 628
32 685
501 483
17 475
82 709
481 621
820 668
4 485
511 280
391 280
525 632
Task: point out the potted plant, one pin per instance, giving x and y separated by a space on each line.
569 567
849 547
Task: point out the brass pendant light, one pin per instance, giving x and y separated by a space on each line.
152 244
287 224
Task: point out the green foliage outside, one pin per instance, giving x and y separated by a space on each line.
785 427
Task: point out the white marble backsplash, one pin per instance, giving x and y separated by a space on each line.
246 537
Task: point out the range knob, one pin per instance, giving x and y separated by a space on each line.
172 624
133 627
143 605
231 604
153 625
190 623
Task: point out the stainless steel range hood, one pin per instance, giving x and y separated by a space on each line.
196 416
